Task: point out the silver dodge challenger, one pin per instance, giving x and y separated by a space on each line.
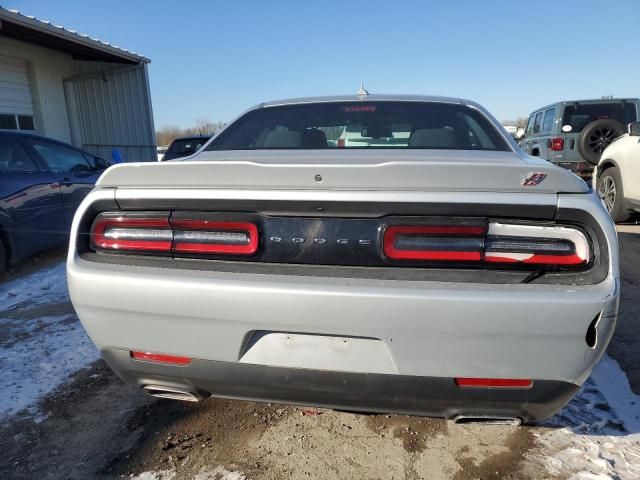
366 252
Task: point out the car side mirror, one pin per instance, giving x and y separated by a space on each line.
634 129
101 163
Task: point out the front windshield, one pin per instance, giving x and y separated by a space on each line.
419 125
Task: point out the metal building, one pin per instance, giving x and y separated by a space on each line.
68 86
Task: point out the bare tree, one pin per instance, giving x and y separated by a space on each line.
165 135
518 122
207 127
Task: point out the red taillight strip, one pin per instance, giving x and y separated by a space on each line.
393 231
242 248
494 382
104 222
534 259
160 358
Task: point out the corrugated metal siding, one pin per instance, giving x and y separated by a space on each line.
114 111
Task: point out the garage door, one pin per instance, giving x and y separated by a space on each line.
16 105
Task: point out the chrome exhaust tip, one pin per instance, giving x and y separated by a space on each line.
486 420
171 393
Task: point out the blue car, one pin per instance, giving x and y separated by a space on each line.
42 182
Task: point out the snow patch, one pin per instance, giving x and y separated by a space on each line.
597 435
219 473
38 352
205 473
159 475
48 285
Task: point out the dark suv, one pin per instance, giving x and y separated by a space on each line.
574 134
185 146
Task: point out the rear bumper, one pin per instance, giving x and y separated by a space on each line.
422 333
432 329
431 396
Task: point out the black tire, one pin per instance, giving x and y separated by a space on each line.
610 190
597 136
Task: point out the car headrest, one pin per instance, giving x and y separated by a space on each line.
314 138
432 138
282 139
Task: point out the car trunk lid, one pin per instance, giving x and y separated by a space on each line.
356 170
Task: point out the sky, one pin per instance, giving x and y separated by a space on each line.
214 59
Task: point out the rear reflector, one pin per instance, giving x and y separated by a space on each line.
160 358
214 237
494 382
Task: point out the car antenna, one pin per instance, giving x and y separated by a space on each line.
361 91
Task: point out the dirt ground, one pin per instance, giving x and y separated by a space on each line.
94 426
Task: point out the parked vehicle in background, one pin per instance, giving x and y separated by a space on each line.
516 132
357 135
160 151
446 273
42 182
617 176
573 134
185 146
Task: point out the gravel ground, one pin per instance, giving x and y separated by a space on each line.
64 414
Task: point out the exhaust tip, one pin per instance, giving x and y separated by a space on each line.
486 420
171 393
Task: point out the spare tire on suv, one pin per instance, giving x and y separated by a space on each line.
596 136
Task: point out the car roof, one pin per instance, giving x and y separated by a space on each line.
195 137
591 100
22 133
364 98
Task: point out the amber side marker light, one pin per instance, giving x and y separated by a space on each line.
160 358
494 382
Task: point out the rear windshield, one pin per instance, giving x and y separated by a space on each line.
186 146
581 114
420 125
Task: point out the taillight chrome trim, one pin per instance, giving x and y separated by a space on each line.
153 233
210 239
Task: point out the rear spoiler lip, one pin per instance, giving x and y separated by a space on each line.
341 203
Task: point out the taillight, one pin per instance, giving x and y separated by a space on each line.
205 236
493 243
138 232
556 144
536 244
434 242
157 233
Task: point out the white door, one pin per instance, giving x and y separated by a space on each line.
16 104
